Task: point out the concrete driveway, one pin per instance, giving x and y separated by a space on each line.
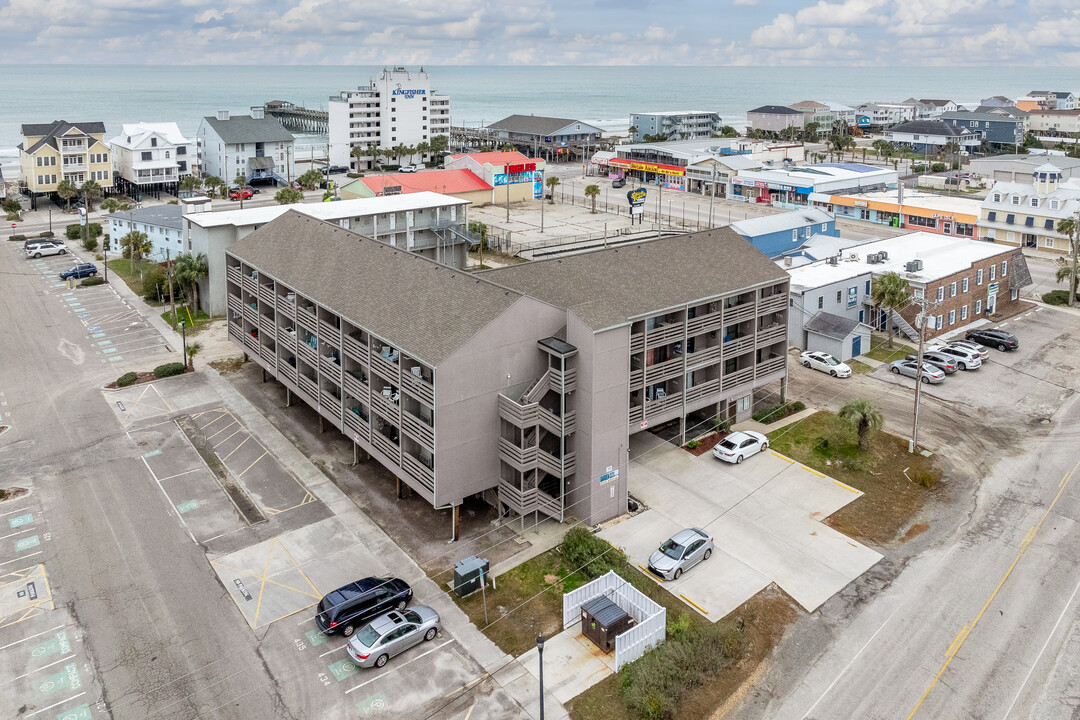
765 519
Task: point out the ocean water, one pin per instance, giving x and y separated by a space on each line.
604 96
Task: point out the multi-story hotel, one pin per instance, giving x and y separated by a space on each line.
675 125
53 152
396 108
521 384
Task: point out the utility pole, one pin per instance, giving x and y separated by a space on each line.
712 194
172 297
920 322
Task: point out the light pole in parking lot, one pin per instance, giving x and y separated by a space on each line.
540 651
183 331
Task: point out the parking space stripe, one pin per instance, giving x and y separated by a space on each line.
31 637
223 429
239 429
13 512
235 448
253 463
399 666
29 528
21 558
73 697
57 662
186 472
167 499
333 650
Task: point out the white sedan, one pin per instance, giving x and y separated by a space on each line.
738 446
826 363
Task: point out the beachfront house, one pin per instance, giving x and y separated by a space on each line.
997 129
931 136
152 156
774 118
255 146
1027 214
554 139
53 152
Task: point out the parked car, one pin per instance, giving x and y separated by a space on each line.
409 169
335 170
350 607
992 337
240 194
31 242
929 374
50 248
965 359
392 634
251 188
938 360
974 347
618 182
738 446
80 271
826 363
680 552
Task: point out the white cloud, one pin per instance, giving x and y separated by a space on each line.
745 2
846 13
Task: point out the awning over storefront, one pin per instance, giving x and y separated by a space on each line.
646 166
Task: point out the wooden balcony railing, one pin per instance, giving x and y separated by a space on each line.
354 347
520 501
704 323
517 414
233 273
552 466
704 356
517 457
354 385
386 447
419 388
664 334
561 382
266 294
637 342
770 335
329 333
738 345
250 284
356 423
550 506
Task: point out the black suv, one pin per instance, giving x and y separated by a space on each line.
992 337
350 607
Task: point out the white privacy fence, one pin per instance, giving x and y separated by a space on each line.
650 619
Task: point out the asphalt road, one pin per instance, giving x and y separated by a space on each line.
981 623
159 633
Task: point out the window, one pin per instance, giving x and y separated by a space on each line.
795 235
963 313
1015 199
1048 242
916 221
993 273
166 154
938 322
1055 205
40 161
964 285
743 403
867 287
1014 293
1048 225
952 289
978 307
1004 268
147 155
918 292
965 229
991 215
1010 218
839 295
153 142
952 317
1034 202
820 302
997 198
941 293
824 227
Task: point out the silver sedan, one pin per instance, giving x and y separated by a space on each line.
929 374
392 634
682 551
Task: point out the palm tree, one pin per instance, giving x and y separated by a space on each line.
632 130
190 183
551 182
138 245
111 205
951 149
889 292
439 144
423 149
507 147
90 192
192 350
591 191
288 196
1070 228
397 151
864 416
358 151
188 270
66 190
212 184
240 179
728 132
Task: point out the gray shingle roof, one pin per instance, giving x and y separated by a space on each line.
964 115
931 127
775 110
829 325
537 125
427 309
245 129
608 288
164 215
50 131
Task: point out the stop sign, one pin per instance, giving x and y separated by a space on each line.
12 226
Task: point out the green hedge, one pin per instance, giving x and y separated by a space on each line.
91 281
168 370
126 379
770 415
17 238
1057 297
581 549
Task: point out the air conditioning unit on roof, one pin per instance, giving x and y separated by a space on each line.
914 266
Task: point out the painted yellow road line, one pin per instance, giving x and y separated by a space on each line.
262 585
162 398
846 487
703 610
297 566
813 471
469 714
953 644
1025 544
203 428
227 437
223 429
223 459
782 457
649 574
241 474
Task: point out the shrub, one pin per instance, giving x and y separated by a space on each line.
47 233
937 167
927 479
582 549
155 283
73 232
90 244
354 175
918 168
17 238
168 370
779 412
91 281
693 445
126 379
1057 297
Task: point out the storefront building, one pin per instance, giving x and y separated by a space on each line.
943 215
794 186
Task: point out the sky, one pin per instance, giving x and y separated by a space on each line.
542 32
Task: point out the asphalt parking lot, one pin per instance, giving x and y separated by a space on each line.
765 516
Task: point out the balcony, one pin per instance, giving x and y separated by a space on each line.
637 342
386 446
418 387
233 273
652 407
251 314
236 304
738 313
354 385
704 323
779 301
354 347
235 333
664 334
738 345
306 315
356 423
250 284
74 167
267 326
329 368
702 390
252 344
266 294
665 370
561 382
385 365
552 465
737 378
286 370
703 357
328 402
385 406
636 414
329 333
418 430
419 471
770 335
517 457
774 364
310 356
307 385
517 414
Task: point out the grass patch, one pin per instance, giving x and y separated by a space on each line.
879 350
859 368
830 445
201 319
122 269
779 412
229 365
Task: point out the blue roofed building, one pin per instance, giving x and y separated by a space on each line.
795 186
776 235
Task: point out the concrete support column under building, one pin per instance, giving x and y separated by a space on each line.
455 523
783 389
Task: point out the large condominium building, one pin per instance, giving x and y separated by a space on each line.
675 125
152 156
1027 214
255 146
424 223
396 108
53 152
522 384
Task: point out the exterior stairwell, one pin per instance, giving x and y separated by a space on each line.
905 326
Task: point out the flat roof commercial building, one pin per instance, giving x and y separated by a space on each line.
918 211
798 185
514 176
425 223
1021 168
520 384
461 184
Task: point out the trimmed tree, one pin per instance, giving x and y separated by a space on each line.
552 182
592 191
90 192
889 292
138 245
865 417
213 183
192 350
288 196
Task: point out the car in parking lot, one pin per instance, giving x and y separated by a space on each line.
680 552
825 362
929 374
350 607
965 358
409 169
335 170
993 337
80 271
392 634
240 193
739 445
618 182
30 242
938 360
46 248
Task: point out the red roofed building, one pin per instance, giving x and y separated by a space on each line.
462 184
521 176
